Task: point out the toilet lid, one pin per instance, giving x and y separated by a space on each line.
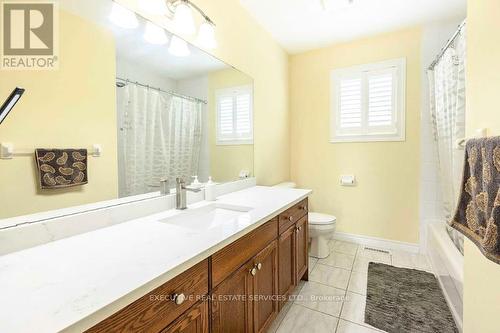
318 218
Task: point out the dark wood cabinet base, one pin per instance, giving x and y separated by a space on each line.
240 288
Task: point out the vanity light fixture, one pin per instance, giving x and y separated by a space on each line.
180 11
155 35
178 47
123 17
10 102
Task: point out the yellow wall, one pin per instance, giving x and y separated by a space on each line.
56 111
247 46
226 161
481 276
384 204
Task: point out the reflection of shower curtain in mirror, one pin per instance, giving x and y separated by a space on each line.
447 96
161 137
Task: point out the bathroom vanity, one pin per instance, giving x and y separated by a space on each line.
167 272
238 289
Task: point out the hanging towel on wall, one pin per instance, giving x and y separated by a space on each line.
59 168
478 211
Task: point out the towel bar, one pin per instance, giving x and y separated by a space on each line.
8 152
480 133
460 143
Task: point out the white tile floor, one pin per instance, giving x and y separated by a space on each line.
334 298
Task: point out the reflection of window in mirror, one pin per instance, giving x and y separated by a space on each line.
234 115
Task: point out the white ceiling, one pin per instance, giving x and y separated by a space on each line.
131 47
300 25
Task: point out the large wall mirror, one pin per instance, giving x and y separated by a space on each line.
155 106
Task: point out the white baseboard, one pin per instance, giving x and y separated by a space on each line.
377 242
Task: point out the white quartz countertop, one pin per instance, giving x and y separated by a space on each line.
73 283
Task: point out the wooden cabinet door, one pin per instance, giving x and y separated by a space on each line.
301 240
195 320
152 313
265 302
232 310
231 257
286 264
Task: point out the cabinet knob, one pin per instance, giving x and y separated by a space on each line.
303 208
259 266
179 298
290 218
253 271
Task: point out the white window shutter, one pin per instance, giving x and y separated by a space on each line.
350 101
381 99
225 115
243 121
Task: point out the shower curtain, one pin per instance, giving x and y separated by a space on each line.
161 137
447 97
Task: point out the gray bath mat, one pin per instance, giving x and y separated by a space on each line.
406 300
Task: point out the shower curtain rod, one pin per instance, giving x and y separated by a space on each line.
448 43
164 91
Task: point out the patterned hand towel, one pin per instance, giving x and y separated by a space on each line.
58 168
478 211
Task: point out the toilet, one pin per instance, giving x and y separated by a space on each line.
321 229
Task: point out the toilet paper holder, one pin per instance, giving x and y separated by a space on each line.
347 180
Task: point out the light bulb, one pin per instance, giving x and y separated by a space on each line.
206 35
153 7
178 47
154 34
123 17
183 19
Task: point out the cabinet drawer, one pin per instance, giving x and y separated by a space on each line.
292 215
157 309
231 257
195 320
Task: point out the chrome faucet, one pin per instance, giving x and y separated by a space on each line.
180 193
164 189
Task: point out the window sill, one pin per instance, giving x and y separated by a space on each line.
233 142
367 138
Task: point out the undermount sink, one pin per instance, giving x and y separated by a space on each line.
212 216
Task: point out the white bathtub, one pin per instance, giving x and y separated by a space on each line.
448 264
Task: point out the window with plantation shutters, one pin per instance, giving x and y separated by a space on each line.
234 116
368 102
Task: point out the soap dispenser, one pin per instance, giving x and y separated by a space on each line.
196 183
210 194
